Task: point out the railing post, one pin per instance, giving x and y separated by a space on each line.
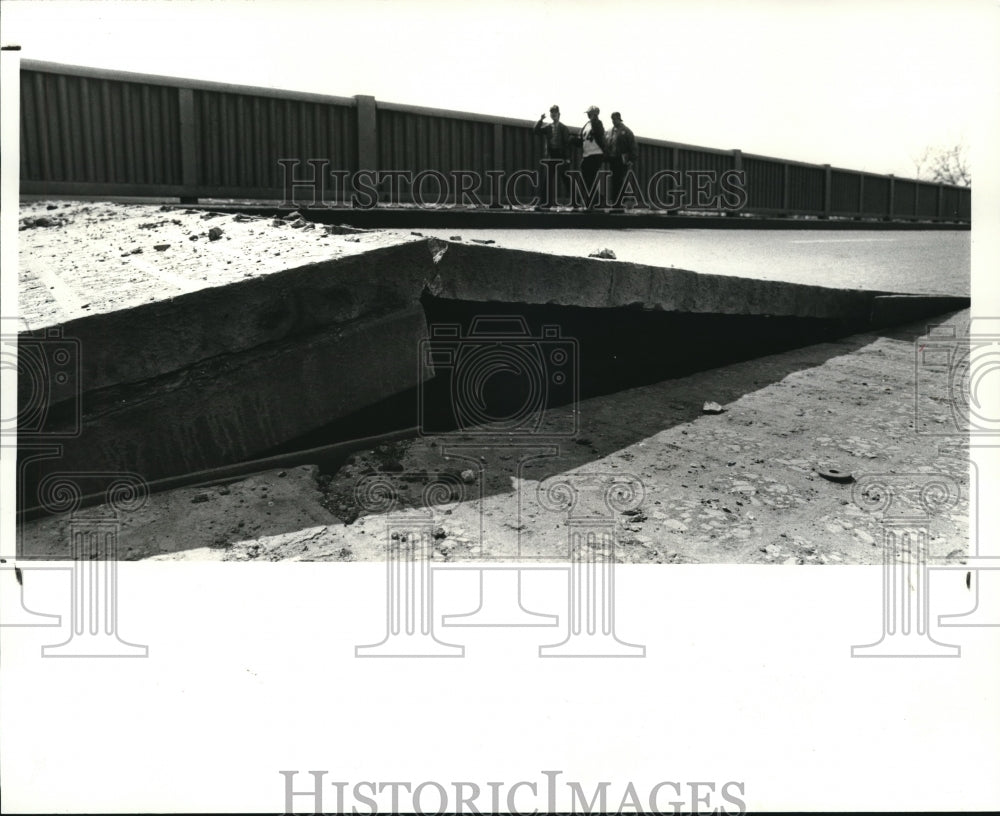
498 163
786 195
737 165
367 122
189 146
892 197
827 191
675 161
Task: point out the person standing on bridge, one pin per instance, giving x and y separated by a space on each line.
556 147
622 153
591 138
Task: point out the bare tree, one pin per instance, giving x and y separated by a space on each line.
949 165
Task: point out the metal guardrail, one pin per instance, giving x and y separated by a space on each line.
89 131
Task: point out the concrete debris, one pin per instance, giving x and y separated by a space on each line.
468 476
835 475
483 240
40 221
215 233
161 247
864 537
437 248
604 253
712 408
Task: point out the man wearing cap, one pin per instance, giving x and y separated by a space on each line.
591 139
556 147
621 150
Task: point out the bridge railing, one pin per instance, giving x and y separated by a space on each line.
88 131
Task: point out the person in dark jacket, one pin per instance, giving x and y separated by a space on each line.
556 146
620 147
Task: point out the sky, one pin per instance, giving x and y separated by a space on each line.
861 85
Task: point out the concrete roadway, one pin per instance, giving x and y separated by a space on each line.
932 262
